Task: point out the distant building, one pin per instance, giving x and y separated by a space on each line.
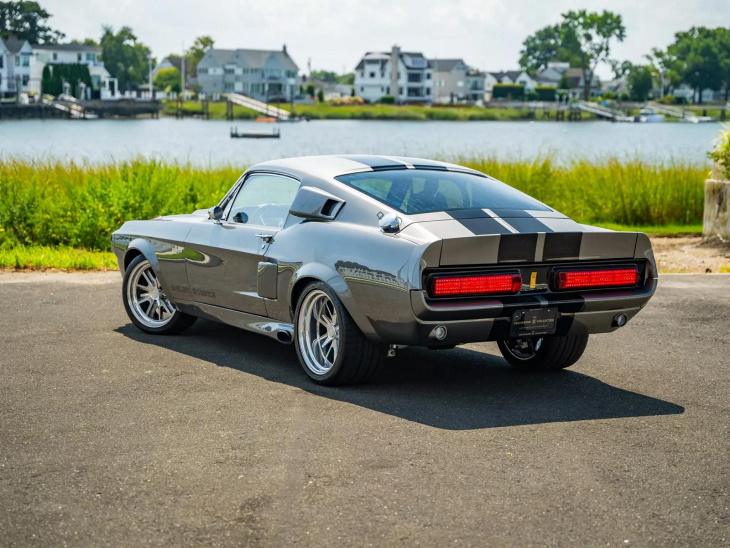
407 76
260 74
69 54
15 65
453 80
554 72
508 77
172 61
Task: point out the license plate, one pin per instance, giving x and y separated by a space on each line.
536 321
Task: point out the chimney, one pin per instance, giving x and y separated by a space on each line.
394 61
284 49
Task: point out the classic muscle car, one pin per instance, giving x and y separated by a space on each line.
352 257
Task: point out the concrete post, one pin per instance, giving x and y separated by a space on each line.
716 220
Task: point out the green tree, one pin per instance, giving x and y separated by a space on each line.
324 76
320 96
26 20
723 45
564 84
196 52
640 82
86 42
667 69
347 79
551 43
698 55
168 80
124 57
594 33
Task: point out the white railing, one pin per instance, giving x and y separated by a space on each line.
677 112
258 106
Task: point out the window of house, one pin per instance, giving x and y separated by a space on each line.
78 57
17 60
372 75
428 76
55 56
26 79
91 57
203 71
26 60
2 61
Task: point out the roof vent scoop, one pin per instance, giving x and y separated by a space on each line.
389 223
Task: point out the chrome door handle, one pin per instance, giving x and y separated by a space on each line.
265 237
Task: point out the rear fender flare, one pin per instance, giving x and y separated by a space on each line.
337 283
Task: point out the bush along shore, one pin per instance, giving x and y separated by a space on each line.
49 211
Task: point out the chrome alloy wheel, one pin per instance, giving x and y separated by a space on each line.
318 332
523 349
146 299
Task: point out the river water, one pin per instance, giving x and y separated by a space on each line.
207 142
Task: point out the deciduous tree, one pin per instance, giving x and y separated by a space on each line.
124 57
27 21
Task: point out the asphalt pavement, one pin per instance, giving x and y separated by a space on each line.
110 437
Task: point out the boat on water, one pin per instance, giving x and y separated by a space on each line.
647 116
235 134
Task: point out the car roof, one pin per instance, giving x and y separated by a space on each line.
330 166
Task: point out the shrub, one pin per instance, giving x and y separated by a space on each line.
531 95
387 99
546 93
516 92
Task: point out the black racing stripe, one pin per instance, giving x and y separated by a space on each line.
512 214
530 224
517 247
562 245
375 162
484 226
468 214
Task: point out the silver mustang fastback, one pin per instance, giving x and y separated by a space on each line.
351 257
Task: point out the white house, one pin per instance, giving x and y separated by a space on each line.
15 65
47 54
407 76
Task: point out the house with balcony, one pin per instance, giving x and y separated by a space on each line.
454 80
15 65
407 76
69 54
264 75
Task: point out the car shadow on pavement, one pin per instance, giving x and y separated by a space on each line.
457 389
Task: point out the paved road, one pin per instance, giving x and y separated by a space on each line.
111 437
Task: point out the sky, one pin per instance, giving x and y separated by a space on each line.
334 34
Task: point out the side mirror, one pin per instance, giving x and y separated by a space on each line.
215 213
389 223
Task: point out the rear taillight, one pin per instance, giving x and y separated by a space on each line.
476 285
594 279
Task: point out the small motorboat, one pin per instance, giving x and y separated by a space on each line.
268 120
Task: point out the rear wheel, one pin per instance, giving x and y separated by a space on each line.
543 353
146 303
331 348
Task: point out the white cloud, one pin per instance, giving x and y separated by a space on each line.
335 33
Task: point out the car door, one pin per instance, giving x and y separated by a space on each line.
223 260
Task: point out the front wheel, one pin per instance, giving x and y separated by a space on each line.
146 303
543 353
331 348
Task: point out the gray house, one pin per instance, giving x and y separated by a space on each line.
260 74
453 80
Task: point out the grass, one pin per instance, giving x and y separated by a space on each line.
217 111
50 212
58 258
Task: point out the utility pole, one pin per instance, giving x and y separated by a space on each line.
149 77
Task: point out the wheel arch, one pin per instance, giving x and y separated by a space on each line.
137 247
318 272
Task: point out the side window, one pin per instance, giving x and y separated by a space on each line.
264 200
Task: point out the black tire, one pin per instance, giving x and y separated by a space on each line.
357 358
552 354
177 323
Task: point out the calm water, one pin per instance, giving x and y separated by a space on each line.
208 142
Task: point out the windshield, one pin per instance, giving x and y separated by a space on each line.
414 191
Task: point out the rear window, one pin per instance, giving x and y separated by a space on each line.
413 191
